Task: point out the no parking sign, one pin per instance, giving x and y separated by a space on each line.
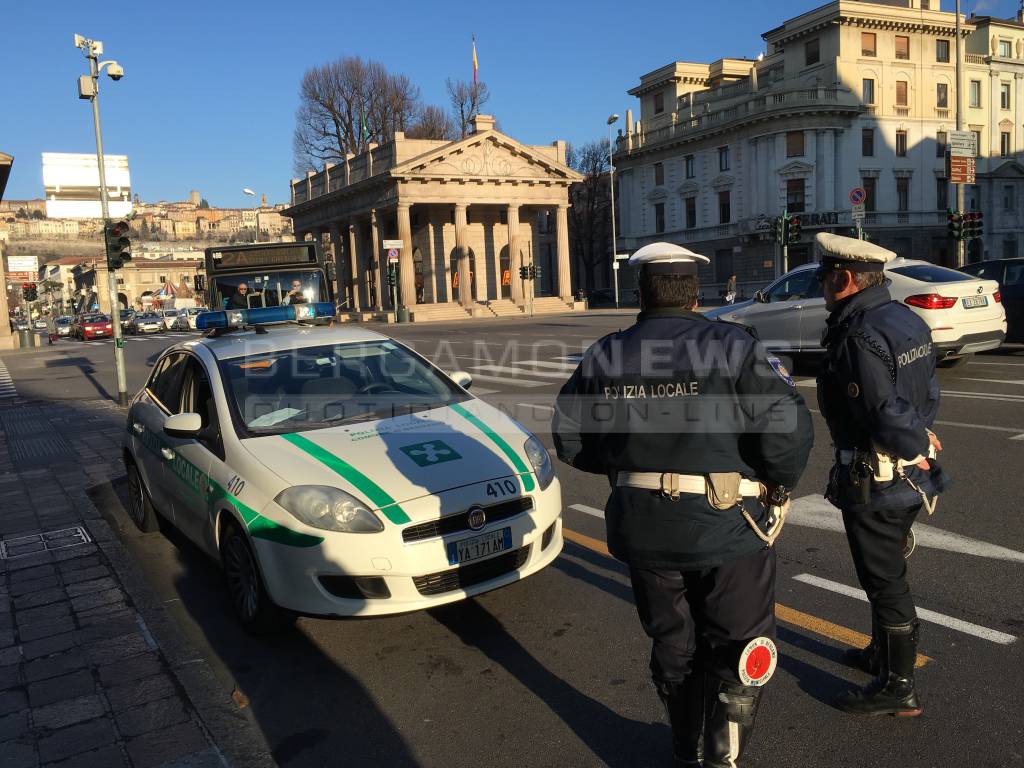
858 195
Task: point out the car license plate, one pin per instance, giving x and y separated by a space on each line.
975 301
474 548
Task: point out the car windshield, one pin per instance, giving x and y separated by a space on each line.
95 319
126 313
929 273
62 321
151 316
170 313
269 290
324 386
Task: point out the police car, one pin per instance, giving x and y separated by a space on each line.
334 472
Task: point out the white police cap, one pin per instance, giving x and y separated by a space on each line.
838 252
668 259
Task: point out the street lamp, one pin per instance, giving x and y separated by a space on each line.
612 119
89 88
256 227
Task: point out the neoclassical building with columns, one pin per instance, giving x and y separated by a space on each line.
468 212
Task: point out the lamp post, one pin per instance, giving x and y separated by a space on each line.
89 88
960 202
256 227
612 119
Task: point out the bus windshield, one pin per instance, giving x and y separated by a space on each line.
279 288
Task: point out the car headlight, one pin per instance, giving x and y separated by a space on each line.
541 461
329 509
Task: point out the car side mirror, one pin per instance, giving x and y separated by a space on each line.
185 426
462 378
760 298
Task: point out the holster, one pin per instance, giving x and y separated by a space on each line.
723 489
850 484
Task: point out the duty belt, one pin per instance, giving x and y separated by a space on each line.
672 484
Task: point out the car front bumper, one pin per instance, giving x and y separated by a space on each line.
416 575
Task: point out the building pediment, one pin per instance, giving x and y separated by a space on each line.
688 189
796 170
1011 169
488 155
658 193
724 181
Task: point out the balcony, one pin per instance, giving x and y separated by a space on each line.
942 113
975 58
902 111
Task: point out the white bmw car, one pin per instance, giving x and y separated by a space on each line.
964 313
334 472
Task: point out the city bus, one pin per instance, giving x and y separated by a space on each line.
268 275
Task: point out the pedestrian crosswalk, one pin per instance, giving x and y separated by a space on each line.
7 389
506 376
143 337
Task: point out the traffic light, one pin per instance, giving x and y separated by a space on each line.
119 247
24 291
793 233
955 224
536 272
973 225
28 292
524 273
780 230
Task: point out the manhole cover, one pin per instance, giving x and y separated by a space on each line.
43 542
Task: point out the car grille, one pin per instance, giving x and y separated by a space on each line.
458 523
472 574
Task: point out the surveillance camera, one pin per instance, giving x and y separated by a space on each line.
115 71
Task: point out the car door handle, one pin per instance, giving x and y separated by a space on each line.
167 453
139 429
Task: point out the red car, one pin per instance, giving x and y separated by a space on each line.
94 326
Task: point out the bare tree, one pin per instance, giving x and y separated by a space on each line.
344 105
466 100
590 213
432 123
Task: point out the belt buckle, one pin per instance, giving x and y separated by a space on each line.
670 490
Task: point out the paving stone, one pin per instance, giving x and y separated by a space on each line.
44 613
48 645
96 599
135 668
106 757
72 553
31 574
34 585
11 655
61 664
173 743
107 651
76 739
12 726
151 716
208 758
87 587
112 626
83 564
64 713
54 689
18 754
12 701
137 693
9 677
28 561
104 612
36 599
46 629
6 637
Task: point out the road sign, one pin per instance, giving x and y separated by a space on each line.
961 170
392 244
858 212
963 144
858 196
392 254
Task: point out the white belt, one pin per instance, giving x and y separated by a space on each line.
846 458
658 481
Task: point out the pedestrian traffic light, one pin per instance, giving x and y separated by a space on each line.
955 224
119 247
524 273
794 229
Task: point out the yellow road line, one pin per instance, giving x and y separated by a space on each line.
783 613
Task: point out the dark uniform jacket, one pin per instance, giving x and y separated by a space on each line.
680 393
878 387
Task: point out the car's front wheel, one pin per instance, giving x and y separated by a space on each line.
140 508
249 599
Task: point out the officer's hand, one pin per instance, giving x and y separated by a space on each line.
936 444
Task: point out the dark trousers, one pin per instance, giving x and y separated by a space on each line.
876 544
709 615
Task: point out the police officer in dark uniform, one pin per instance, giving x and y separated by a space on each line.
879 394
701 435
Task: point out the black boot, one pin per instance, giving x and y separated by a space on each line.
684 703
892 692
729 721
867 659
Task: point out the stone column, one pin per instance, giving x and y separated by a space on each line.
462 251
562 250
353 265
344 289
406 268
514 260
375 261
429 264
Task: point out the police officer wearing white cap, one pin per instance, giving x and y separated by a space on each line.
700 433
879 395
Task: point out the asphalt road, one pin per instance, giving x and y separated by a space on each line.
553 671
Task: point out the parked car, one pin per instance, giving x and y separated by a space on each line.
1009 273
93 326
39 325
126 317
19 324
186 320
170 317
147 322
965 314
63 326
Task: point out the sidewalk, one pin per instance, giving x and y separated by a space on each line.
83 681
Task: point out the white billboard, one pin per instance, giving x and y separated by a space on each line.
72 185
23 264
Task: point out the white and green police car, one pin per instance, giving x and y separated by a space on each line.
335 472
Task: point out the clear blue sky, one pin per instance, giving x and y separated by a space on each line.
209 94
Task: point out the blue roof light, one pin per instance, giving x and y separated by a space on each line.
237 318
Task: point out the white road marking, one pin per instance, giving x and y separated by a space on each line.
592 511
508 380
814 512
7 388
483 391
1009 365
537 406
993 635
567 367
518 371
984 396
1018 382
1014 430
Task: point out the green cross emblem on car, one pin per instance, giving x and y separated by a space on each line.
430 453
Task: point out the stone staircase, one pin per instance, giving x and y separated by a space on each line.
426 313
504 308
550 305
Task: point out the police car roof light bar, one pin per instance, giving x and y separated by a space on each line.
240 318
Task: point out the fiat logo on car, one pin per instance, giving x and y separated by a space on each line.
476 518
